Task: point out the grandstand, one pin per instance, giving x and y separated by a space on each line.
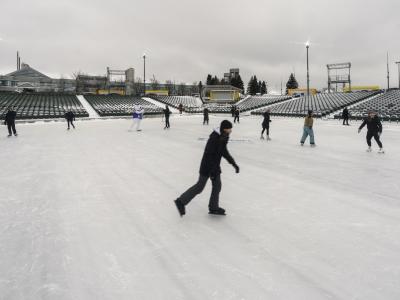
188 102
387 105
321 104
116 105
41 106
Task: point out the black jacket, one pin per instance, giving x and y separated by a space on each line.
205 113
237 112
345 113
267 119
215 150
70 116
373 124
167 112
10 117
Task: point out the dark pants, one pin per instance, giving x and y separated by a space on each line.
167 123
346 120
205 120
236 118
375 135
70 122
265 128
196 189
11 126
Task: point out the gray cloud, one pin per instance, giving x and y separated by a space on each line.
185 40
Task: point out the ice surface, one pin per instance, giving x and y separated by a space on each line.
89 214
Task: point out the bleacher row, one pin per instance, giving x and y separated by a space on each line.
387 105
321 104
187 102
115 105
40 106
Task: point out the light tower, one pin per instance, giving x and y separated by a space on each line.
144 74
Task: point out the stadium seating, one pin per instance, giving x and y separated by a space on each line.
115 105
387 105
321 104
41 106
174 101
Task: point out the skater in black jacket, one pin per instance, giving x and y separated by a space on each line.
237 114
9 120
345 116
70 116
167 113
265 124
205 116
216 148
374 127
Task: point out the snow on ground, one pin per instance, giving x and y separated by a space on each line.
89 214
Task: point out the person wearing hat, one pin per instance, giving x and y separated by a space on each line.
345 116
70 117
237 115
265 124
9 120
308 129
205 116
374 129
216 148
167 113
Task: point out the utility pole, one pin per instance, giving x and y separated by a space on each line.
388 76
398 65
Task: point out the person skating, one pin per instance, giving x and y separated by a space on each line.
345 116
138 112
180 107
9 120
70 117
167 113
216 148
237 114
374 129
265 124
233 111
205 116
308 129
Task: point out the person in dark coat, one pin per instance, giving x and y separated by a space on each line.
216 148
374 127
180 107
345 116
233 110
205 116
70 116
237 113
167 113
9 120
265 124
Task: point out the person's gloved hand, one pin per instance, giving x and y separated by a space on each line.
237 169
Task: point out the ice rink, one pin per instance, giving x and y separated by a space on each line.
89 213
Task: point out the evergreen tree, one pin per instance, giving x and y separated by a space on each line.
263 88
209 79
292 83
239 83
259 87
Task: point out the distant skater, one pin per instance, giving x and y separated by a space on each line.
9 120
138 112
265 124
237 114
180 107
233 111
216 148
308 129
205 116
374 129
167 113
345 116
70 117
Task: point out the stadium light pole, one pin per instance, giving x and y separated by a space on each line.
144 74
308 71
398 66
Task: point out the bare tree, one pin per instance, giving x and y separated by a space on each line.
182 89
170 87
155 85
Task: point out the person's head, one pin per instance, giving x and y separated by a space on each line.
309 113
10 108
268 110
225 127
371 113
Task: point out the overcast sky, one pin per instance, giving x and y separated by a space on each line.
185 39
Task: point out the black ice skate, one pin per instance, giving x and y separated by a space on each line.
218 211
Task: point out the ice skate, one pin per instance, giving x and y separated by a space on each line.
261 137
217 211
381 151
180 207
369 149
268 138
10 135
313 145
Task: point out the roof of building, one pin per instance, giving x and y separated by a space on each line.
27 71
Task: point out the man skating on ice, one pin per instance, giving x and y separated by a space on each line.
308 129
345 116
205 116
216 148
374 127
237 114
137 116
70 116
9 120
167 112
265 124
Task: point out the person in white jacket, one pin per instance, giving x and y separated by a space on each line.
138 112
